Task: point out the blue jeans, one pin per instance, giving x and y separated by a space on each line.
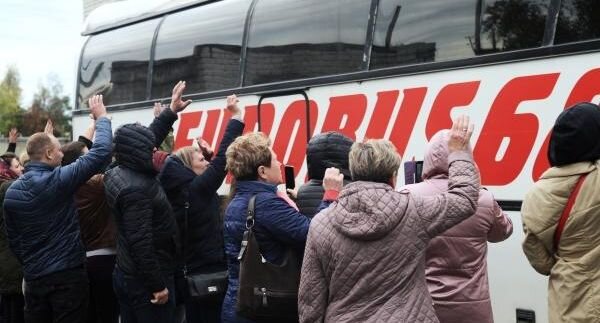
134 300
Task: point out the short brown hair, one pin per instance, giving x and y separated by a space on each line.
37 145
375 160
246 154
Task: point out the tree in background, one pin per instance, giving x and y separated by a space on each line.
49 102
10 94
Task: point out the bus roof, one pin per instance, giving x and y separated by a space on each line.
121 13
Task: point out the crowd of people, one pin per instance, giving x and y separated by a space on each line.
111 228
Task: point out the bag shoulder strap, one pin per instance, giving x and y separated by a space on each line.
249 226
567 211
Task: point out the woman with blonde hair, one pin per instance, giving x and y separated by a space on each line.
191 182
365 254
278 226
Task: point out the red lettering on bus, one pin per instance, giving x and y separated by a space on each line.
386 101
450 96
405 121
521 129
352 107
586 88
295 114
210 127
267 116
188 120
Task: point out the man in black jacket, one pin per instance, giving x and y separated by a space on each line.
329 149
146 237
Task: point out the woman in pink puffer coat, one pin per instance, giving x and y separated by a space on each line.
456 266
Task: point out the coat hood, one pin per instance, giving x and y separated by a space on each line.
133 147
435 162
575 135
175 174
368 210
329 149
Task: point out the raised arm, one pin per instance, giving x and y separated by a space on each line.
443 211
213 176
13 135
77 173
163 123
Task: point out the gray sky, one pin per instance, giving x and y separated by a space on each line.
42 39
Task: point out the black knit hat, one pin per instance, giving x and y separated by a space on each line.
576 135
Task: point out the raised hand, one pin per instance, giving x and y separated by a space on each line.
13 135
161 297
97 107
333 180
460 134
177 104
158 108
49 128
232 104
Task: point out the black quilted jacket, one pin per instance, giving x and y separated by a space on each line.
147 232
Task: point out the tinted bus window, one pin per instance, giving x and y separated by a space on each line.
417 31
115 64
578 20
512 24
293 39
201 46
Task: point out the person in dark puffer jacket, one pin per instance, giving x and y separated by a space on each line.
41 222
329 149
146 228
278 225
188 177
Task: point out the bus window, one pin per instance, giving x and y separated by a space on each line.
418 31
292 39
511 25
202 46
115 64
578 20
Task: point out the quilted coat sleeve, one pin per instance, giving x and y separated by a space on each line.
86 166
213 177
161 126
440 212
137 229
502 226
313 292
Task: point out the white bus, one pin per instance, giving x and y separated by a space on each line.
396 69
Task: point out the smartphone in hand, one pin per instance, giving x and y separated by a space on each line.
290 177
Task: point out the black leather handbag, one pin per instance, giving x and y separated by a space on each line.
202 287
267 292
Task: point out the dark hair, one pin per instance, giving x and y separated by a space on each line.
8 158
72 151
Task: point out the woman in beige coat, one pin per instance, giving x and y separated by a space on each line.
365 255
574 265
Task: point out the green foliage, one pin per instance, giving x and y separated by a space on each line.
10 95
49 102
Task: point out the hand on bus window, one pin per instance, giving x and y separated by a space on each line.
13 135
158 108
49 128
232 105
333 179
177 104
460 134
97 107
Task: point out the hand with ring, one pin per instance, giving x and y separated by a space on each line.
460 134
